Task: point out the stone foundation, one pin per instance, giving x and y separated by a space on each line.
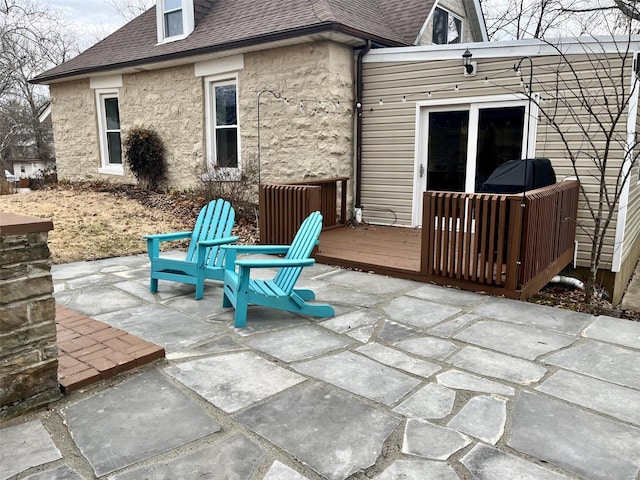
28 350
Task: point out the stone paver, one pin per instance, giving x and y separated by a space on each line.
614 364
408 380
487 463
350 321
416 312
121 426
466 381
161 325
332 432
298 343
417 469
360 375
279 471
605 397
98 300
497 365
517 340
582 442
61 472
234 381
482 417
615 330
25 446
428 347
394 331
430 402
394 358
450 328
427 440
529 314
371 283
451 296
233 457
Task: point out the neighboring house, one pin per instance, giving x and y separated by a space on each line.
218 79
25 159
427 125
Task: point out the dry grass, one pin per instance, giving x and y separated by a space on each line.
90 225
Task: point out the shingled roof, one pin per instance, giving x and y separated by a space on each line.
227 24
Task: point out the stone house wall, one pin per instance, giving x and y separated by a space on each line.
310 137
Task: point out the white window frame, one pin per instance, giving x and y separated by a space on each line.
188 21
226 173
473 105
106 167
450 13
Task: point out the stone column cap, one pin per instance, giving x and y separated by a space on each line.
12 224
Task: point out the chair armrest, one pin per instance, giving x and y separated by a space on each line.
275 263
218 241
232 251
253 249
165 237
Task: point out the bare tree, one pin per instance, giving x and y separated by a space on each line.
585 101
32 39
130 9
517 19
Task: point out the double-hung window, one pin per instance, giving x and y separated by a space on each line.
109 131
172 18
223 133
175 19
447 27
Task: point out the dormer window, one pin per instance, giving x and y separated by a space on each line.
175 19
447 27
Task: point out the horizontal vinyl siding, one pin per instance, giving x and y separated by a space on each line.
391 90
632 227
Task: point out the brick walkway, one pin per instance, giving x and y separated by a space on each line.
90 351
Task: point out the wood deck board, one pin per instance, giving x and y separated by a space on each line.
376 246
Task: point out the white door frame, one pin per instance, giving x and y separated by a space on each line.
473 105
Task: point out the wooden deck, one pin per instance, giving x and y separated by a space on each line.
391 251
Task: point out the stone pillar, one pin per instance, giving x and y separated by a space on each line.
28 350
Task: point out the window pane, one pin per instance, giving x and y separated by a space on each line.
112 113
227 147
114 147
455 30
447 150
172 5
226 105
500 132
173 23
440 26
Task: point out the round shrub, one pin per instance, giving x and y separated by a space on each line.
144 154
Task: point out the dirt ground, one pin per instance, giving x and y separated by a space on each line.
88 225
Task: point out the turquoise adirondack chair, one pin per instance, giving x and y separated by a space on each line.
240 290
204 258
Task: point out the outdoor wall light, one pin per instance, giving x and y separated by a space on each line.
469 66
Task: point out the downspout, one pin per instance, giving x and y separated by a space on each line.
359 89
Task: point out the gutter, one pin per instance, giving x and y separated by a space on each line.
359 89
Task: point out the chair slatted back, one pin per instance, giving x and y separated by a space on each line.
215 221
301 247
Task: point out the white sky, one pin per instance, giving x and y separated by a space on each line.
92 20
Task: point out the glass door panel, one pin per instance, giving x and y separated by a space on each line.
500 134
447 150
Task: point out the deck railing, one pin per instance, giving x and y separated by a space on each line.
505 244
283 207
